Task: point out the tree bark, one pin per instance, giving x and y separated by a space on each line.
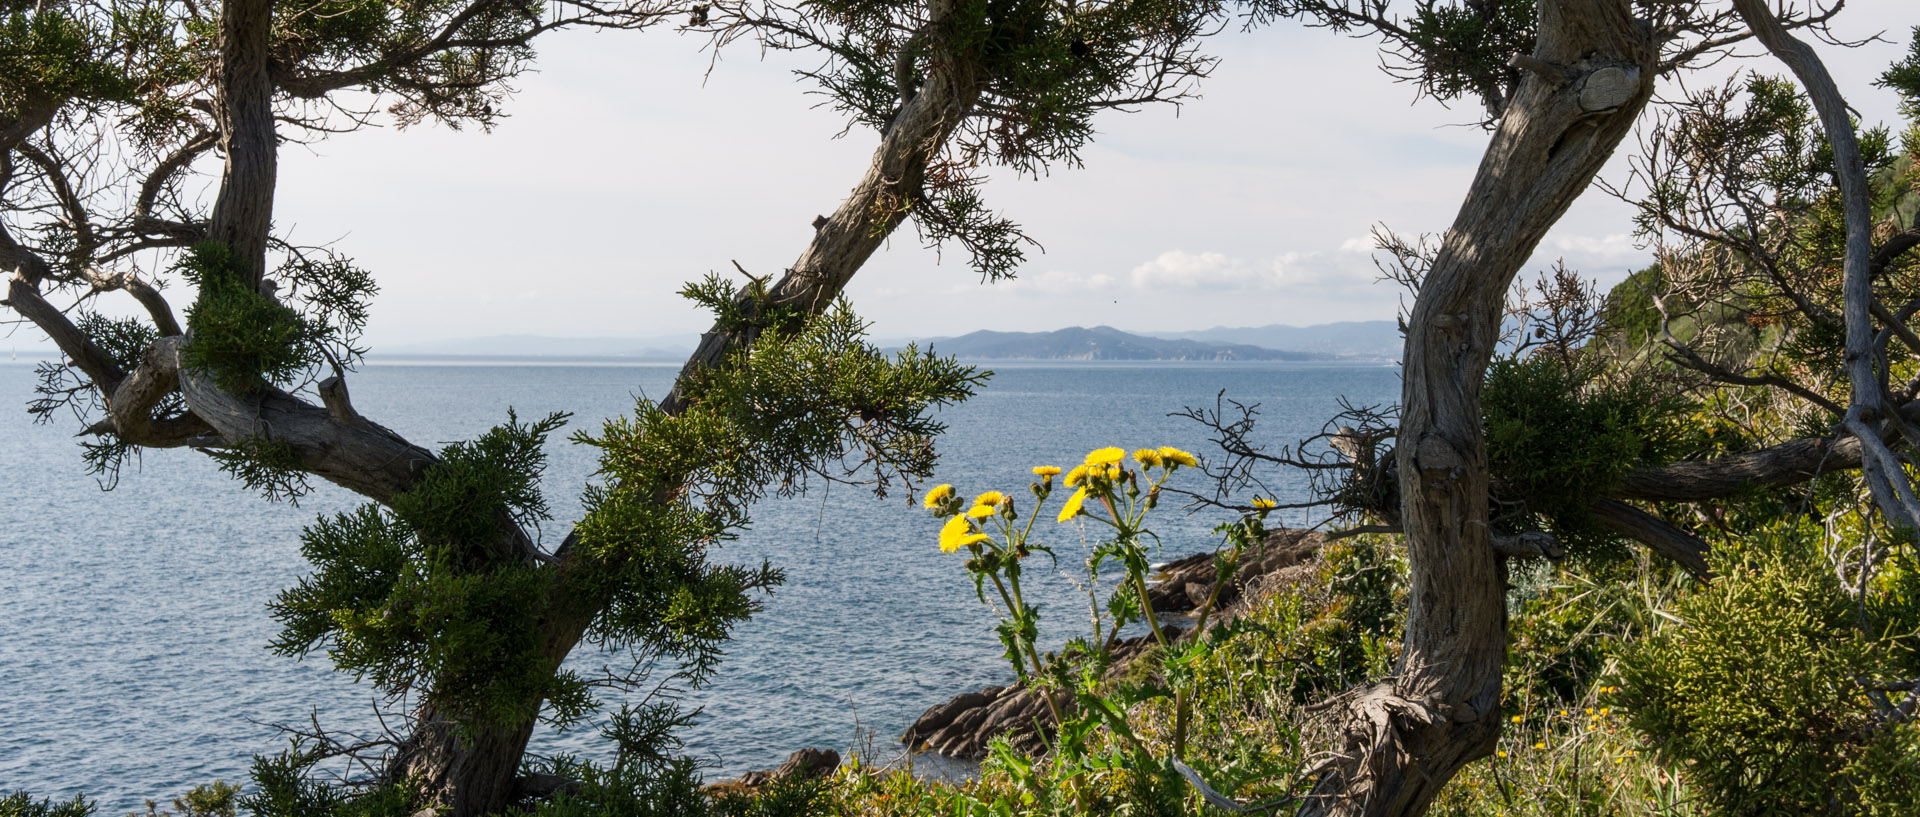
1589 76
243 211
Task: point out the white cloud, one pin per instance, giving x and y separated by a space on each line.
1179 269
1059 282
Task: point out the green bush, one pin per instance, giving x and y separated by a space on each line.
21 804
1761 698
1559 437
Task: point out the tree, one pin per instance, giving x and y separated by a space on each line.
1557 112
115 110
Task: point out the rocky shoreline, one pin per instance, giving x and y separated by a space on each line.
963 726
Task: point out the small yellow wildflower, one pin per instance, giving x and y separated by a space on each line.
1110 455
1263 503
1589 710
1076 476
1072 508
957 534
982 511
1516 719
1175 455
938 495
989 498
1563 713
1503 753
1046 472
1113 473
1147 457
1540 746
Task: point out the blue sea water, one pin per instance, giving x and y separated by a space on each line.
133 628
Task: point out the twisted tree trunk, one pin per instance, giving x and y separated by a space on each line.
1590 75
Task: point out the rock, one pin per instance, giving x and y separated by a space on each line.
963 726
804 763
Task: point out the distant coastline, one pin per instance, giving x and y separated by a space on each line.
1336 343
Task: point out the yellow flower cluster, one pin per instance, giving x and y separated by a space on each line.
938 496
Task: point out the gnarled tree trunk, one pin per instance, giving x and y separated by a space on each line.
1588 78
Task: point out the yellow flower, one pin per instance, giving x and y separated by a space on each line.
1147 457
938 495
1539 746
1503 753
1076 476
1175 455
1106 456
1516 719
1072 508
989 498
1046 472
957 534
982 511
1263 503
1113 473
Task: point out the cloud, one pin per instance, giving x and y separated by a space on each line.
1059 282
1179 269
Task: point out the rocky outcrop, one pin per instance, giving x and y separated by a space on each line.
962 727
806 762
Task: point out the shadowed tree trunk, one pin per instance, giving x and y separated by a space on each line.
243 213
1587 80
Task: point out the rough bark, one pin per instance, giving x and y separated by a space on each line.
1590 75
243 210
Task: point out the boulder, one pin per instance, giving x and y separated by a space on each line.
805 763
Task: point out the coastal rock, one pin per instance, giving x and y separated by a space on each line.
963 726
806 762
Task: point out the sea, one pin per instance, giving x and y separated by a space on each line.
134 660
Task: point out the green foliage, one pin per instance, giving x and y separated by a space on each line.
791 406
334 296
430 594
51 53
269 466
241 337
1762 693
21 804
289 785
1903 78
647 777
1630 316
1558 438
124 339
1465 47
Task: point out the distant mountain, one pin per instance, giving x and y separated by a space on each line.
660 347
1099 343
1369 340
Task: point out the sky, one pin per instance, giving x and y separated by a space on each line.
626 169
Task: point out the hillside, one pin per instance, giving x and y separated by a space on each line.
1370 340
1100 343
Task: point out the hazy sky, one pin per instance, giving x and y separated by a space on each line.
620 176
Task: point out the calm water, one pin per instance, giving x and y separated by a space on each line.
133 659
